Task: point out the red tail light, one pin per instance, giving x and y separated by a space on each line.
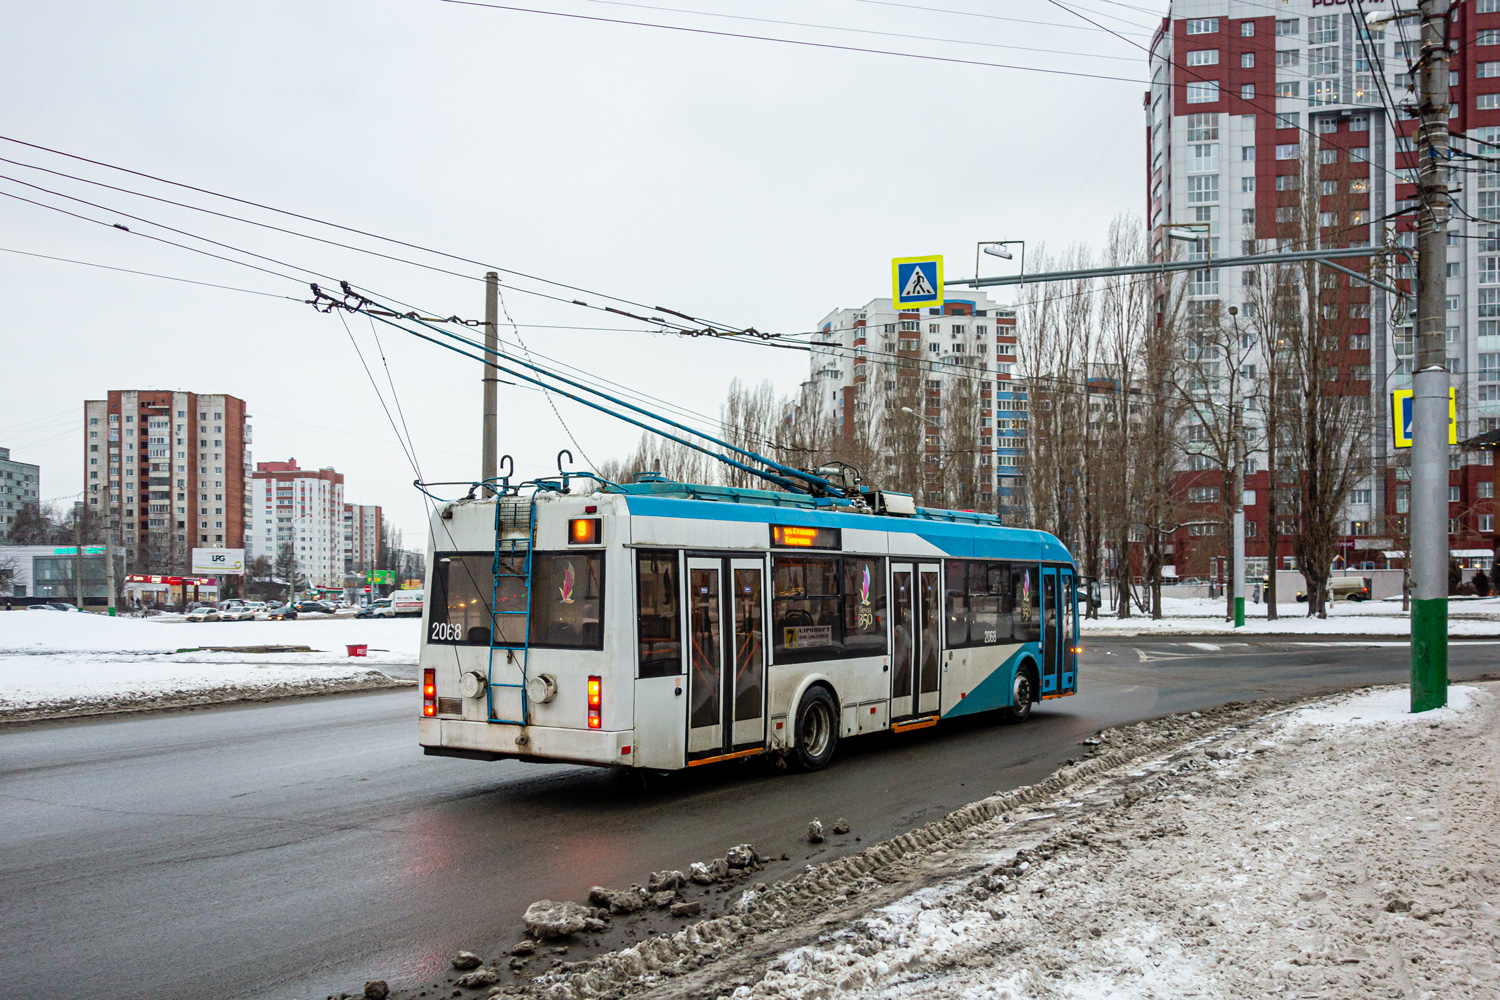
429 692
594 699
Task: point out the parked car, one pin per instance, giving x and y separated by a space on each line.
280 612
236 611
378 608
313 607
1344 588
203 613
52 606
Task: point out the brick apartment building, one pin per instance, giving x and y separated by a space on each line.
1239 90
169 468
303 508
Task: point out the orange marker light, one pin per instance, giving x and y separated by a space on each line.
583 531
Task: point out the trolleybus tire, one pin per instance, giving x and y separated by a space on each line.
1022 691
817 729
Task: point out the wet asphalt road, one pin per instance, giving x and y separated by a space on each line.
295 850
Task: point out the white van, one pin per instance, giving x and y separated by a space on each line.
407 603
1344 588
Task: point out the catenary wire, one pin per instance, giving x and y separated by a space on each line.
149 274
796 41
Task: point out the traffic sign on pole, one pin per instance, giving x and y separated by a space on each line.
1401 408
917 282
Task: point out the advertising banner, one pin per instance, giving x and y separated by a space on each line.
219 562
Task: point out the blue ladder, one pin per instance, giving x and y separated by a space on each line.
503 568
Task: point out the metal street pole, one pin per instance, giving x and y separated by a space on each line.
490 454
1429 458
109 551
1237 441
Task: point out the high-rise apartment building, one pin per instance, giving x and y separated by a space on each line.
949 371
20 483
362 527
169 469
303 509
1245 96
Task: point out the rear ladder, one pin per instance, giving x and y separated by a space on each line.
503 567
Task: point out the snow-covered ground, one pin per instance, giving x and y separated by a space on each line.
1342 849
1203 616
54 663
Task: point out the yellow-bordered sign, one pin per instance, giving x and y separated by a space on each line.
1401 407
917 282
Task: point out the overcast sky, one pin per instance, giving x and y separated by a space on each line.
753 183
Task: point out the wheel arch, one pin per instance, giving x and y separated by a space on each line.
1028 663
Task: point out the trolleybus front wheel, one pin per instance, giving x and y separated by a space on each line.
817 729
1021 694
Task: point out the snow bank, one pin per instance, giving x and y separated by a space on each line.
71 632
1200 616
1383 707
56 663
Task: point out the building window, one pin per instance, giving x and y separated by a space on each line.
1247 29
1487 102
1203 57
1288 57
1247 154
1247 60
1286 151
1323 30
1288 182
1202 127
1203 188
1203 158
1247 185
1203 26
1287 89
1289 26
1247 91
1203 92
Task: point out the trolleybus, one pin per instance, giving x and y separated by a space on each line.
664 625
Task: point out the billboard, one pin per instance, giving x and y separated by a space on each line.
219 562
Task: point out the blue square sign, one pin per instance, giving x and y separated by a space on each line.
917 282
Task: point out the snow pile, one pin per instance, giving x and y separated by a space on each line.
1201 615
1259 855
1383 707
72 632
56 664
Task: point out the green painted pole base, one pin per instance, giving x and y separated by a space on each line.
1429 654
1239 612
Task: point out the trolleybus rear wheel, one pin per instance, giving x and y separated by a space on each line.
817 729
1021 693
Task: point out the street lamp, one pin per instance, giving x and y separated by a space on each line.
997 248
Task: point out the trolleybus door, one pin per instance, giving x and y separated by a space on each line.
1052 625
727 655
1069 641
929 607
904 638
745 690
705 656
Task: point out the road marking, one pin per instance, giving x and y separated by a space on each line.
1207 647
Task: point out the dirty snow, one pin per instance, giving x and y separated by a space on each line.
1295 856
60 664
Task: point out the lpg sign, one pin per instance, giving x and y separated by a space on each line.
219 562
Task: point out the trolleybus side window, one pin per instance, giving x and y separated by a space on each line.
828 607
463 585
979 603
864 606
567 600
1024 597
660 618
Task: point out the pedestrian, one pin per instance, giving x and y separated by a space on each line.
1257 593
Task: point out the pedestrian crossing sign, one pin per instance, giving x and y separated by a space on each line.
1401 406
917 282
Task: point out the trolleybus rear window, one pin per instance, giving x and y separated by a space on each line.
463 584
828 607
567 603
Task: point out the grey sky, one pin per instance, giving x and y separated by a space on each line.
752 183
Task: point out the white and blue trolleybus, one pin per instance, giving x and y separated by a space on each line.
664 625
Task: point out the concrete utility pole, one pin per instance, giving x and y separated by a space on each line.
1239 516
1429 453
109 553
490 454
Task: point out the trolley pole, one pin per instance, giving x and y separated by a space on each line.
489 457
1429 453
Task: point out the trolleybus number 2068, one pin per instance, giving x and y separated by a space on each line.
741 633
